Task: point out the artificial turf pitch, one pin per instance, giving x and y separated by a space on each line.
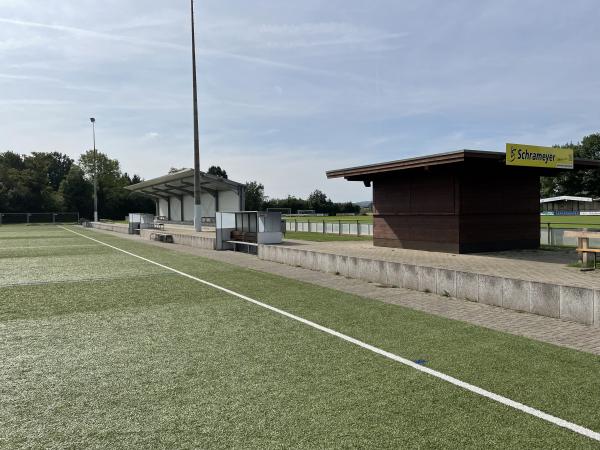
102 349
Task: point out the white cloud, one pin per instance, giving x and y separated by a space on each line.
291 89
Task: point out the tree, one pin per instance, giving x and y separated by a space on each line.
57 166
217 171
319 201
255 196
581 182
77 192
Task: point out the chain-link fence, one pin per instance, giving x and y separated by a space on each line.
32 218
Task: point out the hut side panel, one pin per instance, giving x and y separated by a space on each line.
499 210
417 211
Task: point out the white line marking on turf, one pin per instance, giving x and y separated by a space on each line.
48 246
442 376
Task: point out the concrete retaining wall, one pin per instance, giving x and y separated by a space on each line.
114 227
575 304
190 240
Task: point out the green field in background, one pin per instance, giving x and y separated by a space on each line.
321 237
101 349
351 219
571 221
555 221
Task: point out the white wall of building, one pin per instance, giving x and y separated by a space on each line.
229 201
176 209
208 205
188 207
163 208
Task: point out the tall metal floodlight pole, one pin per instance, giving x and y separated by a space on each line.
95 171
197 187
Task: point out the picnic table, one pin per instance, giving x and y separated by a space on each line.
583 244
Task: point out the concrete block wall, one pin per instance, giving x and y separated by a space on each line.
570 303
114 227
206 243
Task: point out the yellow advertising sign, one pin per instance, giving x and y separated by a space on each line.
534 156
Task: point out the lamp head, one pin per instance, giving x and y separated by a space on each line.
92 119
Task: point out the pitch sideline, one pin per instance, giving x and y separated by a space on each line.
442 376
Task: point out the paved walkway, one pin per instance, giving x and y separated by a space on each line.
546 266
567 334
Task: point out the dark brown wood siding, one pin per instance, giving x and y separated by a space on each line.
417 210
499 209
459 208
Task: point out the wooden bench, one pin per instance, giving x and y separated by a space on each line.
583 244
162 237
243 236
585 251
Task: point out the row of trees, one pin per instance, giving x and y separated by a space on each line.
54 182
584 183
257 201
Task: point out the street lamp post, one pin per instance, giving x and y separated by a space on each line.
95 171
197 187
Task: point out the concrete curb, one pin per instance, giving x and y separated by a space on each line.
575 304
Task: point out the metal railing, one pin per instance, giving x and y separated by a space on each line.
552 233
25 218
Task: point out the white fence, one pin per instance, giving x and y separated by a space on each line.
548 236
556 236
328 227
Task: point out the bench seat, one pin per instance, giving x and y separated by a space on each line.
162 237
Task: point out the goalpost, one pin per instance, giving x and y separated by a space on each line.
283 211
307 212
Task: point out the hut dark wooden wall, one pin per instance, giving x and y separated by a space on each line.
460 202
457 209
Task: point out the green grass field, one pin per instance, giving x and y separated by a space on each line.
571 221
321 237
351 219
102 349
555 221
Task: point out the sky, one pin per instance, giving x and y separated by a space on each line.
290 89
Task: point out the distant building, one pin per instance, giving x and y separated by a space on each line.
567 204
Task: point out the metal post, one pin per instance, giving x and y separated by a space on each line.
53 217
197 187
357 228
323 226
28 217
340 227
93 120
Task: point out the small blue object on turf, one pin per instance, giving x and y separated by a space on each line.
421 362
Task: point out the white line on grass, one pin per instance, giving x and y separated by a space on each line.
49 246
442 376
